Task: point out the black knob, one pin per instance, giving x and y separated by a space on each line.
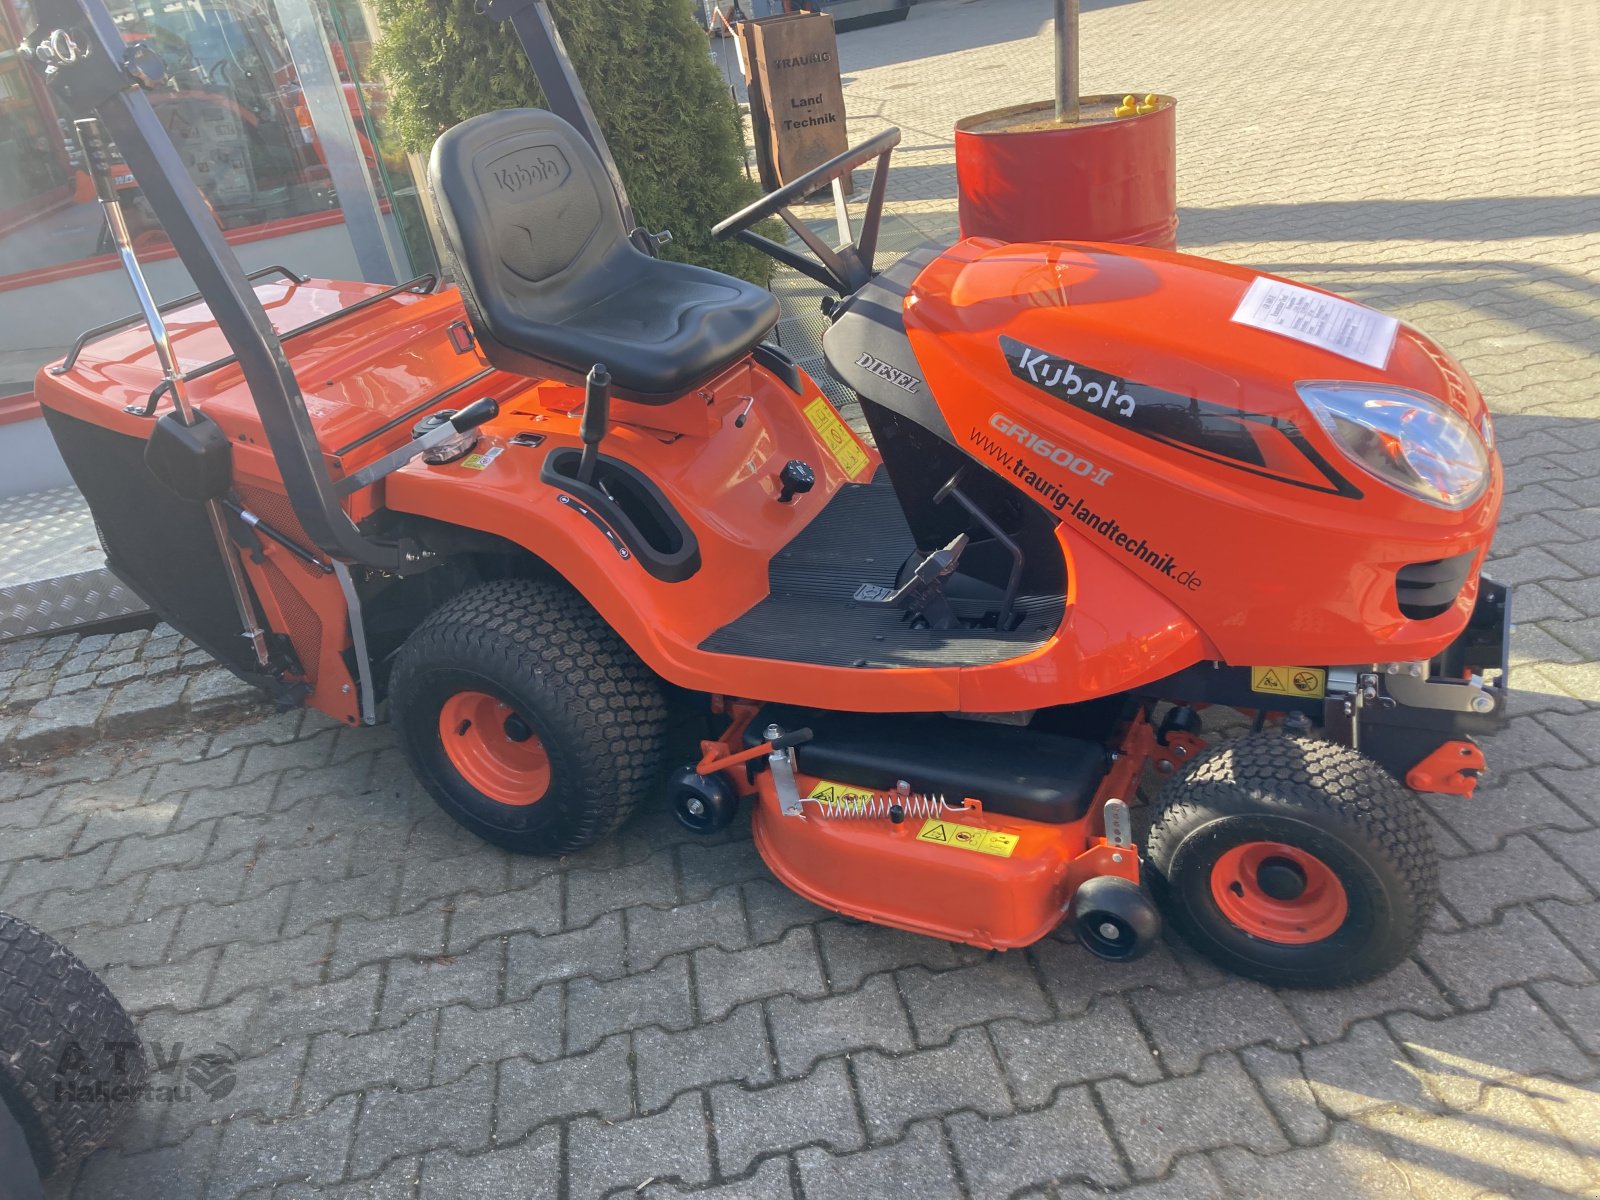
797 478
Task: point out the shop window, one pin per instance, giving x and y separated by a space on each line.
234 110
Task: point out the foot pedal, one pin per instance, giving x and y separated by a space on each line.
922 594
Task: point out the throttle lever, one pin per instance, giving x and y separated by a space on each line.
475 414
469 418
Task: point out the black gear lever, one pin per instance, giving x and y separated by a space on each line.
596 416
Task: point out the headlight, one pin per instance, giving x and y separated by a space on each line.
1408 440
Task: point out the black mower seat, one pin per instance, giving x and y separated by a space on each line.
550 278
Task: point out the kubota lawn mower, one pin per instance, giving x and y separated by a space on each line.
548 508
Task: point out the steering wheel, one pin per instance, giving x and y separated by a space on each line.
846 267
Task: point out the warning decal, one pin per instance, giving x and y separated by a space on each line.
837 437
967 837
1309 683
840 794
479 462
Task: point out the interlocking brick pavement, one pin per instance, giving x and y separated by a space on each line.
415 1014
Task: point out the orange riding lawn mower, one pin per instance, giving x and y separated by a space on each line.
576 512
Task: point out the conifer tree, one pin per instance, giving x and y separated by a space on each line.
661 102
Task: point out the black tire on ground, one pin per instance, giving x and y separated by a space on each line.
71 1065
538 647
1325 801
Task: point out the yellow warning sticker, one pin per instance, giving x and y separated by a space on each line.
480 462
840 795
1309 683
837 437
966 837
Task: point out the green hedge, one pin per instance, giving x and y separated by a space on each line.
661 101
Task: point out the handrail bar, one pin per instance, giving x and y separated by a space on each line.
100 331
422 285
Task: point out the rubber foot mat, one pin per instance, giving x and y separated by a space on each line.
810 616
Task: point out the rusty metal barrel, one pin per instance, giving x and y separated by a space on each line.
1023 177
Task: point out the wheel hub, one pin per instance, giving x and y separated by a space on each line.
1281 878
494 749
1279 893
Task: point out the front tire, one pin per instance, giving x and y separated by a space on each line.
527 718
1296 862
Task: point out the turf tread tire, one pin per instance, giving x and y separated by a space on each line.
51 1001
542 636
1328 787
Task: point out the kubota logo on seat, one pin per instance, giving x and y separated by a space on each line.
535 168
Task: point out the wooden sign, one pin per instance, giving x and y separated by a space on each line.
791 70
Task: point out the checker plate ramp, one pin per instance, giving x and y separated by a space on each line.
52 572
64 603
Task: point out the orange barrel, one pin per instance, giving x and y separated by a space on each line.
1022 178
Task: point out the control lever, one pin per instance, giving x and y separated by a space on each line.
650 243
780 761
475 414
468 419
923 593
596 416
952 491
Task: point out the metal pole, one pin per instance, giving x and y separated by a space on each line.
1066 60
336 132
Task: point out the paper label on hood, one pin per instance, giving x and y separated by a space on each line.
1344 327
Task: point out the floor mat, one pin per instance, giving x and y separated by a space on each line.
810 616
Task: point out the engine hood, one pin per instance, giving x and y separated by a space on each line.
1162 319
1121 387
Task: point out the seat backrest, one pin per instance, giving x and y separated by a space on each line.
528 214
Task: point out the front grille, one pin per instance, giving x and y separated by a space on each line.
1427 589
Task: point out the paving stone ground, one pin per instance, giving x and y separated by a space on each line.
406 1012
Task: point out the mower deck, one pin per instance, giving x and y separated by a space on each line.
809 615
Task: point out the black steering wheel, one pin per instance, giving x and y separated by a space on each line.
846 267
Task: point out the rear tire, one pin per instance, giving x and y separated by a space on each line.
1296 862
527 718
71 1066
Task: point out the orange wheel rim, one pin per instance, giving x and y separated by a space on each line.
493 748
1279 893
